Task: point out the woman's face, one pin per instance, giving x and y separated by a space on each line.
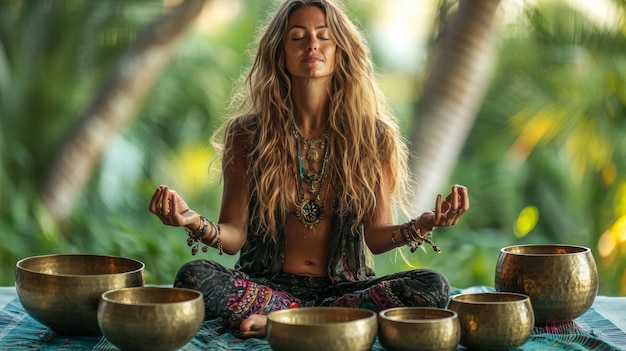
309 51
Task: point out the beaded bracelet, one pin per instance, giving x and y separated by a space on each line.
194 238
413 236
220 248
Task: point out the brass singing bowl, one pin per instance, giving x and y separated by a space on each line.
62 291
561 280
418 329
150 318
321 329
493 320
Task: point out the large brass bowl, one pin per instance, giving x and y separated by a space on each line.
63 291
492 320
561 280
321 329
150 318
418 329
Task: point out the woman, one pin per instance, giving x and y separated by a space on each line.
312 163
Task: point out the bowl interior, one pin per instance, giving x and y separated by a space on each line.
79 265
416 314
543 250
489 298
320 316
149 296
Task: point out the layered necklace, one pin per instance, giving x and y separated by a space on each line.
310 211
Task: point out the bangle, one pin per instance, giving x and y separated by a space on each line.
393 236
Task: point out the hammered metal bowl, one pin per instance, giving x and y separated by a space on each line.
418 329
62 291
150 318
493 320
321 329
561 280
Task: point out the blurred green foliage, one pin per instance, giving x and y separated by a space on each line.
545 162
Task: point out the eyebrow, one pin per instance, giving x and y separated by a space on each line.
322 26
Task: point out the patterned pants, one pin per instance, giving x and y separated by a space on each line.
234 295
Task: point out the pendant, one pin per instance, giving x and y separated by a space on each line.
312 177
309 213
312 156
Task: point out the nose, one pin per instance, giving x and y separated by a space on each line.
312 45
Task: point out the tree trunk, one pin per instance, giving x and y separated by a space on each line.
113 106
453 93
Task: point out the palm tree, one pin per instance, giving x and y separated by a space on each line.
113 106
546 155
463 60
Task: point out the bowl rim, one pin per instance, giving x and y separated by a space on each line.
522 298
450 314
371 315
19 265
105 296
506 250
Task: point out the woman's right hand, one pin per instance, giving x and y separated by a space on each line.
172 209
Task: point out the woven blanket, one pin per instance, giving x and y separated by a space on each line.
19 331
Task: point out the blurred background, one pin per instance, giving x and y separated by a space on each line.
524 102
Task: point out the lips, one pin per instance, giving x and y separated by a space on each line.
312 60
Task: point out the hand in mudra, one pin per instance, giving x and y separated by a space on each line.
171 208
447 211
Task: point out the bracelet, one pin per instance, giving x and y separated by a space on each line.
220 248
393 235
414 237
197 234
194 238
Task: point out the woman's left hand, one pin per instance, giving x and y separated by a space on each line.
447 211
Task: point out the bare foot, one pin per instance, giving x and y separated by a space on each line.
253 326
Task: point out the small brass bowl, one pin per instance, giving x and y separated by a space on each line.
321 329
492 320
561 280
418 329
150 318
63 291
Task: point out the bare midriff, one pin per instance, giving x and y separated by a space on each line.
307 249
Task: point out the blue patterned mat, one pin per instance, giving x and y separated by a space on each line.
19 331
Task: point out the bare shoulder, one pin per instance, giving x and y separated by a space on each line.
239 138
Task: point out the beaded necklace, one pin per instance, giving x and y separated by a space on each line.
310 211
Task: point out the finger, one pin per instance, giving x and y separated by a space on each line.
174 217
454 216
455 197
465 197
165 208
174 204
153 207
445 206
438 213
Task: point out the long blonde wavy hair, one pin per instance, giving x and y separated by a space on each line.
365 140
